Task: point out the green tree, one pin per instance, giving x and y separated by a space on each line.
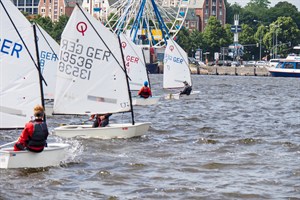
183 39
44 22
283 9
58 27
213 35
232 10
282 31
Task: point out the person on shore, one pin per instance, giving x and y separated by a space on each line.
101 120
187 89
35 133
145 91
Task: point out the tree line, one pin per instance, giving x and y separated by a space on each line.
276 29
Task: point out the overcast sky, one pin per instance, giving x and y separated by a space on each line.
273 2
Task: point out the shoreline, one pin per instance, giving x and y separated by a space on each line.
232 71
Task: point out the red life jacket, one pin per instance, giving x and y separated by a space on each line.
145 92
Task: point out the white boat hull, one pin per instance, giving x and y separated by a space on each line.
139 101
109 132
280 72
51 156
193 95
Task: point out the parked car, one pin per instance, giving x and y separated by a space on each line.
250 63
261 63
235 64
273 62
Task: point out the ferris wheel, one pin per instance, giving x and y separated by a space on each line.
149 22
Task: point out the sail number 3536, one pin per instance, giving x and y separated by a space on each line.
74 65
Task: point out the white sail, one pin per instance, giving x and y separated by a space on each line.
48 54
19 85
176 68
134 63
90 73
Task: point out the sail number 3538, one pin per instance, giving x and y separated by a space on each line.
74 65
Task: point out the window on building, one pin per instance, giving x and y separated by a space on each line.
186 24
29 3
221 13
21 3
193 24
35 11
36 2
29 10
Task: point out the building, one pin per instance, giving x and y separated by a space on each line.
55 8
209 8
29 6
199 12
97 8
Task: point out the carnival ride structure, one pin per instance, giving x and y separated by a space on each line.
147 22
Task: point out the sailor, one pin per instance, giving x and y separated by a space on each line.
145 91
187 88
101 120
35 133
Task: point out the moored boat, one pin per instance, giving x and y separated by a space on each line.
286 68
52 155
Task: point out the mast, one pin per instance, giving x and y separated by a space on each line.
39 67
128 88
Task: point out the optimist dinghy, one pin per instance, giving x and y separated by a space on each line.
92 79
176 71
136 70
52 155
21 86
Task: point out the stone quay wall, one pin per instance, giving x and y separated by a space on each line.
232 71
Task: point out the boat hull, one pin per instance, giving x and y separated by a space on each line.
145 102
277 72
177 96
109 132
51 156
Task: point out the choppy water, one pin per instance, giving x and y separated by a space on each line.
239 140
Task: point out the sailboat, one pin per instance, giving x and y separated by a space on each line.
91 79
136 70
21 87
176 71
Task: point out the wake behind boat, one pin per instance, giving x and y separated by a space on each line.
94 81
52 155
